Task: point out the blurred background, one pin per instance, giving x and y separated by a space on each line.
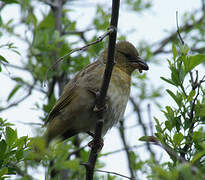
35 33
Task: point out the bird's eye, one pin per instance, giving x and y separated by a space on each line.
128 56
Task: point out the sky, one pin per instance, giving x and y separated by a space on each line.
151 25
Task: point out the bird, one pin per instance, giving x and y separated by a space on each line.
74 112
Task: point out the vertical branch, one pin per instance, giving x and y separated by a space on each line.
203 6
126 147
178 31
150 119
57 11
90 165
138 111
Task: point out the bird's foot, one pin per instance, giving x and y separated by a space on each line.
104 108
99 145
97 94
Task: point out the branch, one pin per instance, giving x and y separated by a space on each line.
21 172
203 6
173 36
17 102
16 67
178 31
150 119
77 32
76 151
196 84
100 101
126 147
2 4
137 109
50 3
110 172
171 152
99 39
122 149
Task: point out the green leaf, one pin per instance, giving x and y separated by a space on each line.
149 139
177 123
186 49
47 22
170 112
168 125
174 51
21 142
158 126
16 88
19 154
3 147
178 137
168 81
193 61
198 156
3 59
202 110
11 136
176 99
3 171
71 164
18 79
10 1
175 76
191 95
181 74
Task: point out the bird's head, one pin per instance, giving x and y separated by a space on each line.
127 58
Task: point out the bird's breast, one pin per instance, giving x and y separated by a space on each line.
118 94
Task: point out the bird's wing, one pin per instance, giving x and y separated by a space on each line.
63 101
87 78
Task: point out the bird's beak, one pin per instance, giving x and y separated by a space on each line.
140 64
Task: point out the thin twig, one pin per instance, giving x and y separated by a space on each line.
111 172
17 102
150 119
122 149
76 151
203 6
127 149
2 4
99 39
173 36
50 3
171 152
195 84
21 172
144 128
77 32
178 32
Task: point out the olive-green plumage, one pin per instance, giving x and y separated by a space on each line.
73 112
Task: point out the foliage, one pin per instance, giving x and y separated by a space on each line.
182 133
48 37
12 150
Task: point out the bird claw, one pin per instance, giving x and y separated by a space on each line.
97 94
100 145
104 108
